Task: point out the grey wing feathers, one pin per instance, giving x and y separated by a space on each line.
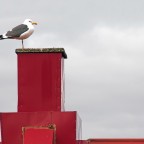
17 31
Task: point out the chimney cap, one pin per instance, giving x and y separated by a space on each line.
42 50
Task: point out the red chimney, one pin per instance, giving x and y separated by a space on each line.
40 101
41 79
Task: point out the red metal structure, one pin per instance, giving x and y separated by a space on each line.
66 126
41 118
40 100
40 81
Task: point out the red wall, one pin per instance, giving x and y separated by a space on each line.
12 123
39 82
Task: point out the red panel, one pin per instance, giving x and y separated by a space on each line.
12 124
38 136
39 82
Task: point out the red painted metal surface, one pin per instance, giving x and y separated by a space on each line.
39 82
116 141
38 136
66 127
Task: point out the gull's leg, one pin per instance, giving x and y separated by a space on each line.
22 45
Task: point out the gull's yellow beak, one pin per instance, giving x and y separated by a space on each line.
34 23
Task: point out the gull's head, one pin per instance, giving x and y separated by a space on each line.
29 21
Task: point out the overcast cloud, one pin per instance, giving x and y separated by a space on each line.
104 41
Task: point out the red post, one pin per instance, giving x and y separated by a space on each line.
40 79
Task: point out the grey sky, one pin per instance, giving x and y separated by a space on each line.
104 41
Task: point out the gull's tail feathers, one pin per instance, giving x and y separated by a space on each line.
1 37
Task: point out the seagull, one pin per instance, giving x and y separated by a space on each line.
20 32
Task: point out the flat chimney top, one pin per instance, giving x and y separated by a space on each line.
42 50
